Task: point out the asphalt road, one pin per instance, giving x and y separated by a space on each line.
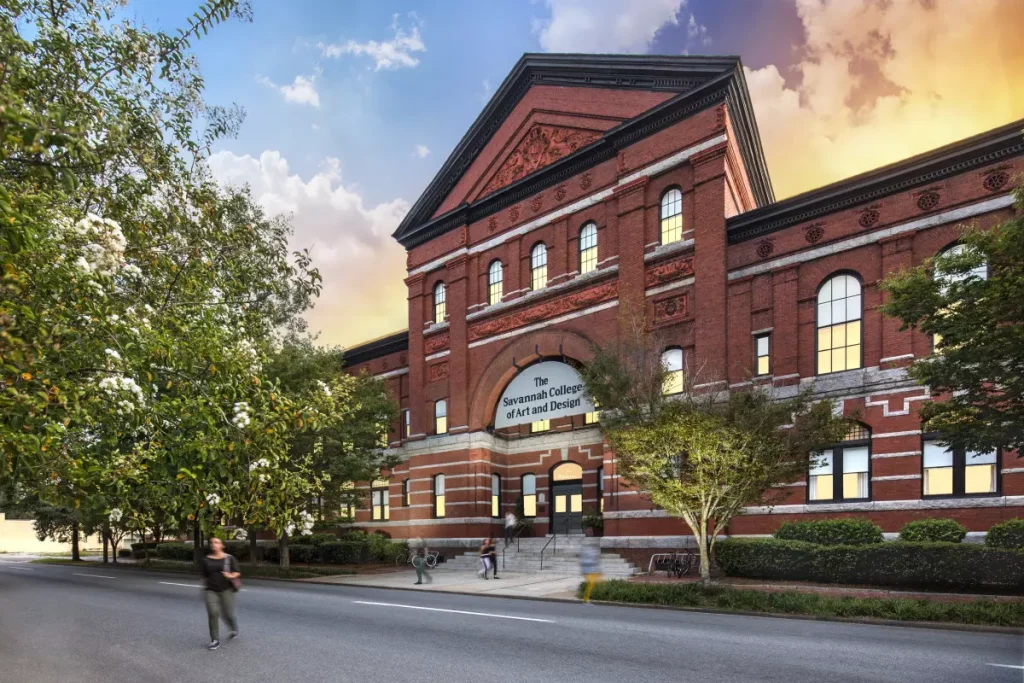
62 624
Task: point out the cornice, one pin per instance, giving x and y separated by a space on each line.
377 348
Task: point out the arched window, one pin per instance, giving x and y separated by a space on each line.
538 266
843 471
440 303
494 282
947 277
671 215
529 495
441 417
495 495
839 324
380 500
672 360
588 248
439 495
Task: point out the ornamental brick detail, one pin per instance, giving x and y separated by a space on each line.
585 181
996 180
436 343
537 203
814 233
868 217
542 145
513 213
666 272
549 309
671 308
492 224
765 249
560 193
438 372
927 201
720 117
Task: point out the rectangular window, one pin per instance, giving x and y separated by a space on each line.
839 347
406 492
762 348
852 462
820 486
441 417
495 495
600 489
953 472
855 472
381 502
529 495
406 423
588 249
591 418
540 426
439 496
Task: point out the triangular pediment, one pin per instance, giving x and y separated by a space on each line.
540 146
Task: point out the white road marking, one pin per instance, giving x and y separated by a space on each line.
95 576
186 585
20 569
453 611
1008 666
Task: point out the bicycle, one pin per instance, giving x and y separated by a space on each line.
407 557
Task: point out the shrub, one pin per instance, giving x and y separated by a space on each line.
848 531
124 552
345 552
238 549
1008 534
933 531
989 612
381 532
303 553
271 553
312 539
930 565
174 551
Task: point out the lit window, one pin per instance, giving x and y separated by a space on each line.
839 324
946 278
949 472
540 426
591 418
851 459
406 492
495 495
671 216
440 305
380 500
762 349
600 489
539 266
529 495
494 283
406 423
439 495
672 360
441 417
588 248
348 496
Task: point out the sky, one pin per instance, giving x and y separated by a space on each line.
352 107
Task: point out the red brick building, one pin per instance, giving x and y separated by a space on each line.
593 185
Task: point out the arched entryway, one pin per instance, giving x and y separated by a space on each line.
567 498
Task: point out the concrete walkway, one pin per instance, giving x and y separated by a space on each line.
549 586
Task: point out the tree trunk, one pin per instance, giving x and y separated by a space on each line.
197 543
705 560
106 539
76 555
283 550
145 551
254 547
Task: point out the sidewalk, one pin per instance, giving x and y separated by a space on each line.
551 587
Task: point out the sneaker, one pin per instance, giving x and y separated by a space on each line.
418 583
233 635
214 644
495 576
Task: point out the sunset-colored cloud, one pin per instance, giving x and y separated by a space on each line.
878 82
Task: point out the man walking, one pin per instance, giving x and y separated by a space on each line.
419 561
510 527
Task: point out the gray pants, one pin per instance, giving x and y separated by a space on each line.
218 604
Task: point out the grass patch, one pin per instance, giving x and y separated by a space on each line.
980 612
249 571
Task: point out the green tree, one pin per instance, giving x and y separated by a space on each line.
702 456
971 302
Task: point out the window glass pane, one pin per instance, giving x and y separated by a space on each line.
540 426
439 485
440 307
824 314
937 455
762 345
977 458
853 332
529 484
494 506
838 336
495 485
407 421
825 339
671 216
825 293
672 359
822 463
855 485
980 479
855 459
590 418
539 266
824 362
762 365
852 357
560 503
839 287
839 311
853 308
530 506
441 426
387 512
938 481
576 503
838 360
821 487
439 506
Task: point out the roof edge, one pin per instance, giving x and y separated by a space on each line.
377 348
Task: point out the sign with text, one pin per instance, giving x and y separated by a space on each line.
543 391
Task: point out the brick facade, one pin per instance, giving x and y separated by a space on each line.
745 265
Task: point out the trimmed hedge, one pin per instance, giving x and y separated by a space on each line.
174 551
933 531
847 531
350 549
1008 534
987 612
927 565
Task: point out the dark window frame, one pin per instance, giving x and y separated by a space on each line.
757 356
434 494
837 466
863 326
523 494
960 473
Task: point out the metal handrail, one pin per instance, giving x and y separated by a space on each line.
553 537
519 531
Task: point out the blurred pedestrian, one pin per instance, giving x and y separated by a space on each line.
222 580
484 560
419 561
590 564
492 554
510 527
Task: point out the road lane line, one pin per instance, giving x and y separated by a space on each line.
453 611
186 585
94 576
1008 666
20 569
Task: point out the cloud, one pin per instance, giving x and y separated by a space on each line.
301 91
697 33
605 25
421 151
389 54
486 96
878 82
362 267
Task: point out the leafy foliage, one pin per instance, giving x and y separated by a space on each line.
846 531
979 322
933 531
1008 534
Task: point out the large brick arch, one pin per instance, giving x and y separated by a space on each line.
524 350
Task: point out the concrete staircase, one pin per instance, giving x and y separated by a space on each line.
561 558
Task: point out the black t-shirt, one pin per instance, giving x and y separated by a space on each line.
215 580
490 549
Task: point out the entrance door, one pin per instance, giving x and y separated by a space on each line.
567 499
